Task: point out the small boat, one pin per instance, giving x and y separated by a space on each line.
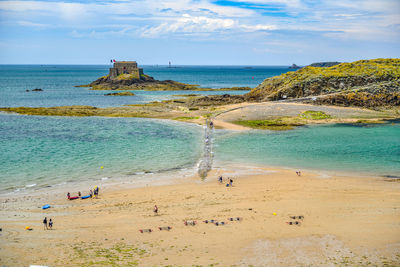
85 197
72 198
46 206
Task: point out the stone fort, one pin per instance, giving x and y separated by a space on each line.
125 67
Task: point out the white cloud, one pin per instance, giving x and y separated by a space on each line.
200 24
347 19
32 24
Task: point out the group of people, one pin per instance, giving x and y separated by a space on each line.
93 193
227 185
298 173
49 225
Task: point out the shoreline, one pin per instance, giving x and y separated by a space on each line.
347 218
175 176
189 170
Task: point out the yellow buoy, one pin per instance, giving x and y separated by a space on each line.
274 213
102 167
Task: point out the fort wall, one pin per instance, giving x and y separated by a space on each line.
125 67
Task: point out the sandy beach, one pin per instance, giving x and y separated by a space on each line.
348 220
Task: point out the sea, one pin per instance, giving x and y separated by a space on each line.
39 152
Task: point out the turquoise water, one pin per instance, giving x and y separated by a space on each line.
46 151
58 81
372 149
51 150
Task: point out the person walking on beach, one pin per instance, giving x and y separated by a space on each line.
220 179
230 182
45 223
50 224
155 210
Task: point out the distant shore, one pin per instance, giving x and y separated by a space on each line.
347 219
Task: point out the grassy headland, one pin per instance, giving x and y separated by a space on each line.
365 83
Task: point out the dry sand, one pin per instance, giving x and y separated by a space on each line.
347 220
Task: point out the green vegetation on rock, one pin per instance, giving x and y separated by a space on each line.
280 124
373 77
370 121
315 115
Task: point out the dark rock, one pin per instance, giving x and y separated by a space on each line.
294 66
324 64
120 94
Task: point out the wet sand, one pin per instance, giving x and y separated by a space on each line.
347 220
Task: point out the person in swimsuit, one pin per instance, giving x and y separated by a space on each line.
50 224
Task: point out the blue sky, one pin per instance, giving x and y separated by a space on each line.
198 32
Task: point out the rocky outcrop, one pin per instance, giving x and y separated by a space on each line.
324 64
35 90
215 100
376 80
371 96
129 82
120 94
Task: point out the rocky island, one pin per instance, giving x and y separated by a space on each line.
126 75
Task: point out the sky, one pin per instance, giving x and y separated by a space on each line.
198 32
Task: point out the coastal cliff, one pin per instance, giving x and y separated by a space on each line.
365 83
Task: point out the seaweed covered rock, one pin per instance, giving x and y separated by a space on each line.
372 77
120 94
131 82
